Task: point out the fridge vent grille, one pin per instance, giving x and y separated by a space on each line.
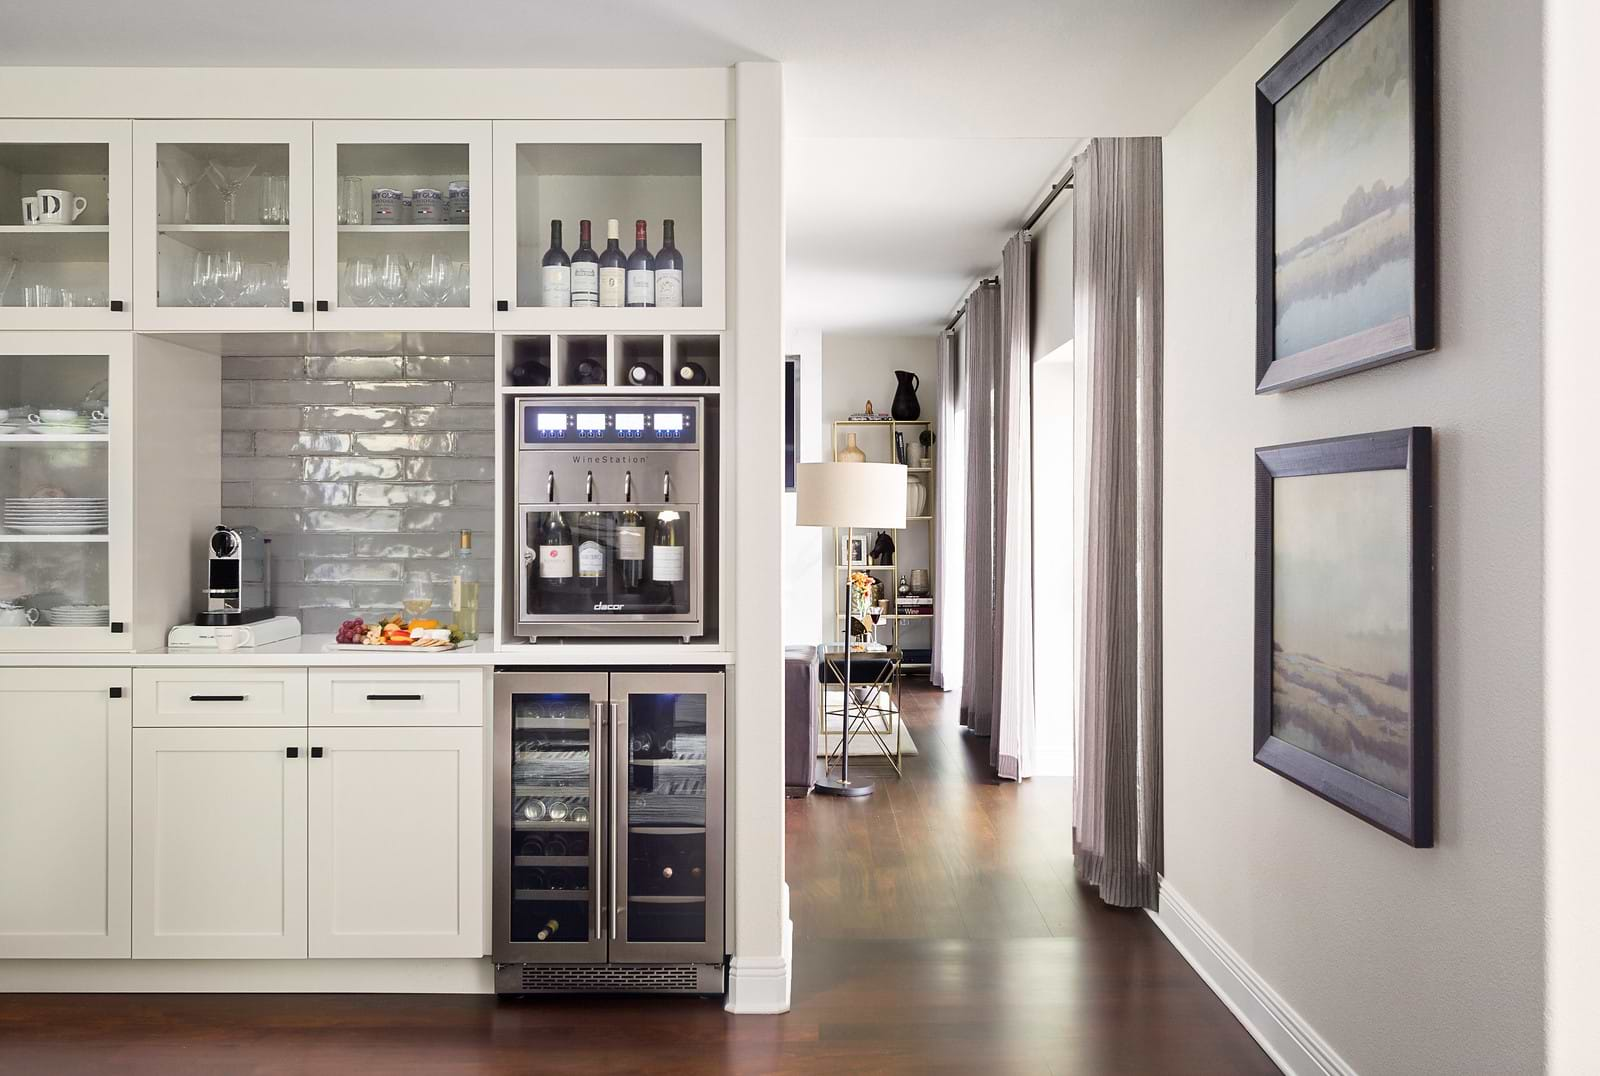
609 978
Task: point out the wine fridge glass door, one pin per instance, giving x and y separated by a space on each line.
549 836
667 899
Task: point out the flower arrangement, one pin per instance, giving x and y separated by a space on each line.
861 590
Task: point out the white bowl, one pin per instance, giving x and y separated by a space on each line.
57 414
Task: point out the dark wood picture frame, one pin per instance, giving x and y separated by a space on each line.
1410 817
1325 38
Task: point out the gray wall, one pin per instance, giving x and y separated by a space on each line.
360 468
1405 961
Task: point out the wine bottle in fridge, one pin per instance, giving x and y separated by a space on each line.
592 551
585 270
630 539
555 553
666 555
613 268
641 268
669 270
557 271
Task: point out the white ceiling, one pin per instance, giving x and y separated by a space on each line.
882 96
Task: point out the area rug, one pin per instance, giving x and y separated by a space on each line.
861 741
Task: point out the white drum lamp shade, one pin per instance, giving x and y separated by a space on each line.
865 495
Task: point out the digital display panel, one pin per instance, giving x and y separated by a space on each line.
591 425
630 423
552 422
669 422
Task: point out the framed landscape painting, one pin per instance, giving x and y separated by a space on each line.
1344 624
1346 218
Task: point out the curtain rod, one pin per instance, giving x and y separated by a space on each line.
1062 184
983 282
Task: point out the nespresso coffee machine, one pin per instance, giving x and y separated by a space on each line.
238 594
238 578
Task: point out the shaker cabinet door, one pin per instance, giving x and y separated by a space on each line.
219 843
65 747
396 854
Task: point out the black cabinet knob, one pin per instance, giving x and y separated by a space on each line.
322 306
116 306
298 306
316 752
502 306
292 752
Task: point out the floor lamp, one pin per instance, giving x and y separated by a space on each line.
849 495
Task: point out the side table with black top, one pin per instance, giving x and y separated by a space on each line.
873 676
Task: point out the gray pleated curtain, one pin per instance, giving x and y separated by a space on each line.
1117 333
980 354
949 516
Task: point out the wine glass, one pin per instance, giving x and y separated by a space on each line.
274 199
460 284
231 274
228 178
418 595
392 278
185 172
260 281
436 280
361 281
206 284
280 283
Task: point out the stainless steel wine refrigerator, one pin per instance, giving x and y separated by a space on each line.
608 835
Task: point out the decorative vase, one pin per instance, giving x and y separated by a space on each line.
851 452
905 406
916 495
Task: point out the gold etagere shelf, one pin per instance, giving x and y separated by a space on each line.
895 621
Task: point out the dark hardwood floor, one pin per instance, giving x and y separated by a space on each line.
938 929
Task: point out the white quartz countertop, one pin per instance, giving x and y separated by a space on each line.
318 650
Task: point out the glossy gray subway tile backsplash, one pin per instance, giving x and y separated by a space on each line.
361 469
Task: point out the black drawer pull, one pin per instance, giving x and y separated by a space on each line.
394 698
292 752
316 752
218 698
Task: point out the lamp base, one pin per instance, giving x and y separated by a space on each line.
831 786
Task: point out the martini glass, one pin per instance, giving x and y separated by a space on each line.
228 178
185 173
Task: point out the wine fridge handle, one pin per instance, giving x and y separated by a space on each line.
619 781
598 821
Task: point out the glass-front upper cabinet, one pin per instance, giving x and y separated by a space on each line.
660 183
65 193
667 885
223 237
549 837
403 225
66 475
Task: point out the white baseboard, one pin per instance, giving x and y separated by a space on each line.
1286 1037
762 984
248 976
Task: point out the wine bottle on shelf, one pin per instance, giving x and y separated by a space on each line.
532 845
555 846
585 270
555 553
691 373
529 372
669 270
630 539
666 556
557 271
642 373
548 931
641 268
589 372
464 590
613 268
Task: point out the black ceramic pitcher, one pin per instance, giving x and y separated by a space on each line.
905 406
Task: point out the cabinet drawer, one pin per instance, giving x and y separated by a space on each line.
390 697
219 698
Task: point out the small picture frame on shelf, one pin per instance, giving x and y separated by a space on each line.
853 550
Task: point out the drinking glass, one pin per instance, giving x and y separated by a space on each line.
274 199
393 276
185 172
231 271
40 295
436 279
361 281
351 197
418 595
280 283
206 284
460 284
259 283
228 178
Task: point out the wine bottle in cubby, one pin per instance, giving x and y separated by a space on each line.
613 268
691 373
557 271
641 268
585 270
669 270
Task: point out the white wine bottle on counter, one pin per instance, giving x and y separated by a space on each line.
464 590
613 268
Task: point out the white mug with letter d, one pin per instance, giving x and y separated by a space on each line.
60 207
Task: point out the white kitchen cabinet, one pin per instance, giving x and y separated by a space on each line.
241 697
198 265
396 697
595 170
396 845
441 269
81 268
66 572
65 761
219 843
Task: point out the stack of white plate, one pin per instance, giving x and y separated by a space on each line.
78 616
55 515
78 424
15 426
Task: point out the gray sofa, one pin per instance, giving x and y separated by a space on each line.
799 719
